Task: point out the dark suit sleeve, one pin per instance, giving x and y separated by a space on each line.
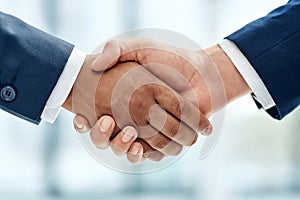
31 62
272 46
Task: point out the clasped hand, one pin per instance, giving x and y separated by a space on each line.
163 108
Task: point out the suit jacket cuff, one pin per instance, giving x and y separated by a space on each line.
260 92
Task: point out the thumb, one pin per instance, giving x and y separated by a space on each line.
108 58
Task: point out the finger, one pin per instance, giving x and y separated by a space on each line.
123 140
101 131
135 153
122 50
81 124
108 58
183 110
149 152
172 128
159 142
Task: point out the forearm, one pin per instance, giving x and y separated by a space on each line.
234 84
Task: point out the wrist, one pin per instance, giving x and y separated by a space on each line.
234 84
68 104
69 76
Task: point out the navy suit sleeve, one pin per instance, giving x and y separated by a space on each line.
272 46
31 62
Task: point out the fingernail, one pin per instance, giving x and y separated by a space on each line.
105 124
78 125
134 150
207 131
129 134
94 62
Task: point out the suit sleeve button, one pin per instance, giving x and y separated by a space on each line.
8 93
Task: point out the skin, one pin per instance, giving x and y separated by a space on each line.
149 138
147 51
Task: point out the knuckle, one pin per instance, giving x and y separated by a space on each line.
186 137
173 130
172 149
150 87
139 109
110 43
185 111
160 143
178 107
146 131
181 107
194 140
140 104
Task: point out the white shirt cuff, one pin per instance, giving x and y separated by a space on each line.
63 85
249 74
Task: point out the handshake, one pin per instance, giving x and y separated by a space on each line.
147 100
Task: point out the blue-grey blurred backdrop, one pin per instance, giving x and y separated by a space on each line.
256 158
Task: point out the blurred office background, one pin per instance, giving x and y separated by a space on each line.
257 158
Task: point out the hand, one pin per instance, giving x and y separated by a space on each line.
209 72
153 96
145 51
